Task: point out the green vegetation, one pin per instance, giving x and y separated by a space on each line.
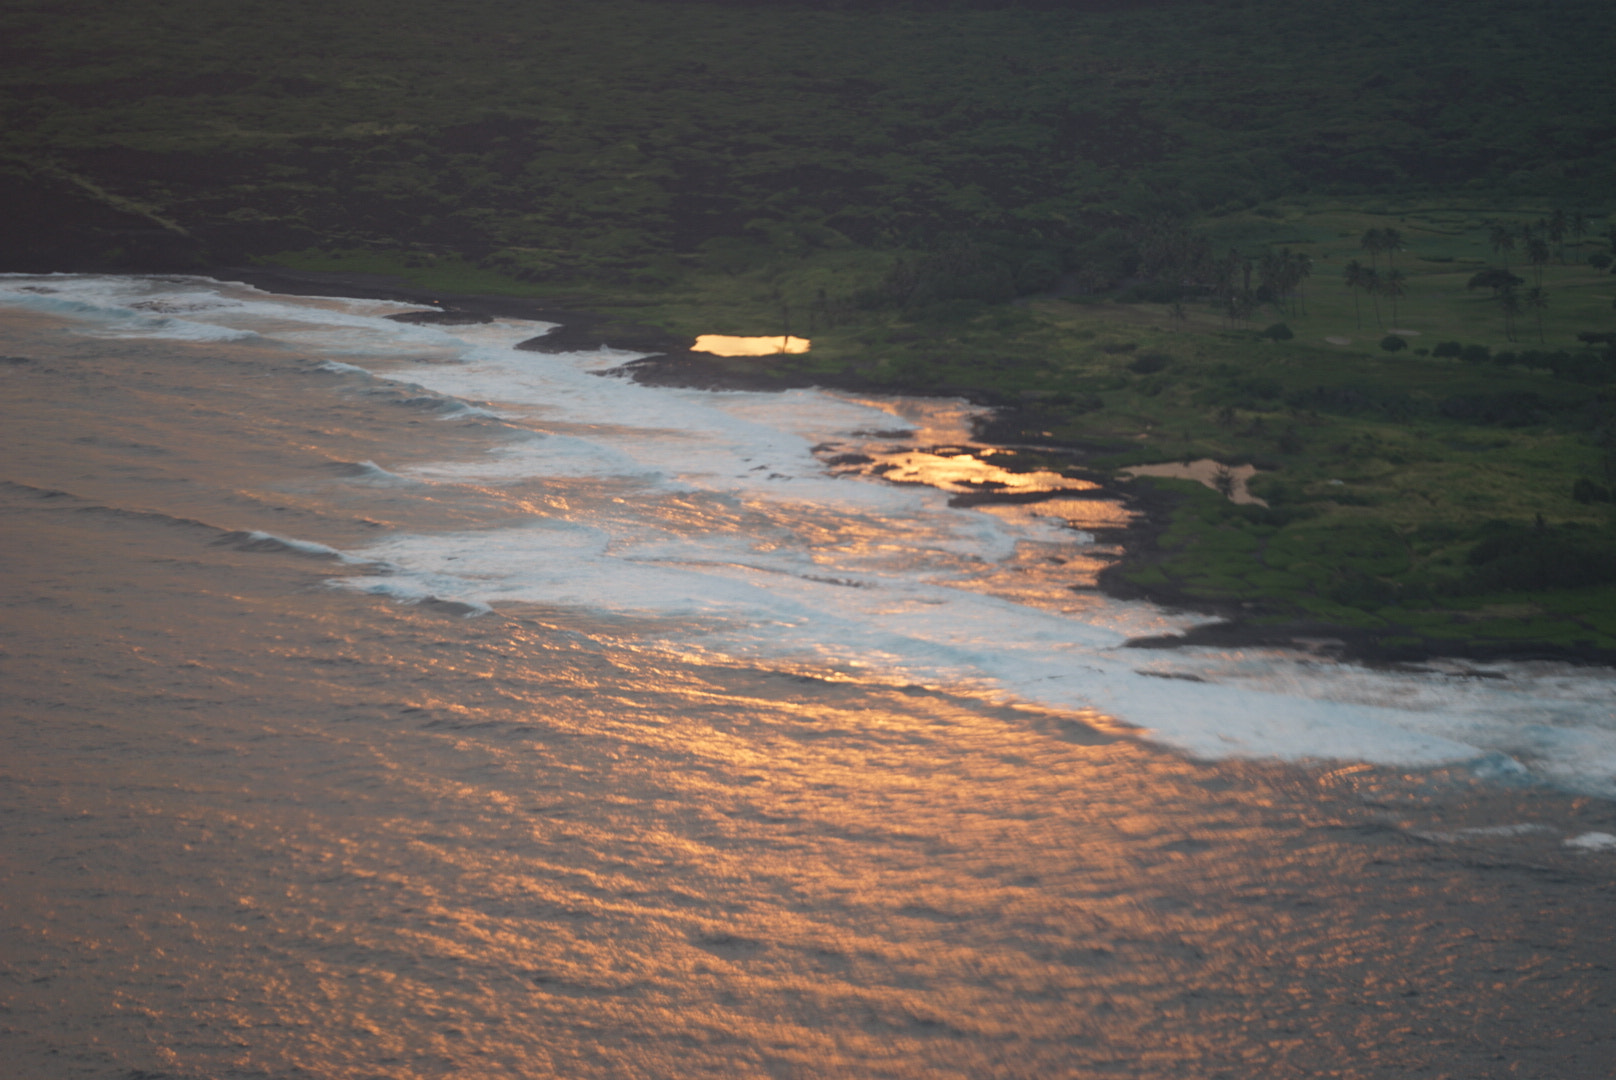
1086 213
1405 488
624 141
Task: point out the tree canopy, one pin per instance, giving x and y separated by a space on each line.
559 139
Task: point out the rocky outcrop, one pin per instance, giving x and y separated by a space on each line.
587 334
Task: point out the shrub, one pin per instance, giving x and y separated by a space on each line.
1392 343
1151 292
1448 348
1545 557
1364 591
1495 279
1278 332
1475 354
1599 260
1275 516
1256 386
1510 409
1149 363
1583 367
1357 401
1586 491
1037 272
1074 404
956 271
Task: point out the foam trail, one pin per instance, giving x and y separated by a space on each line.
407 592
306 547
374 473
340 368
461 410
917 632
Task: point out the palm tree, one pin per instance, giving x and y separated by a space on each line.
1502 239
1240 307
1223 273
1372 285
1391 242
1354 277
1558 225
1537 302
1282 273
1509 300
1394 287
1537 253
1271 276
1373 242
1578 225
1301 270
1228 286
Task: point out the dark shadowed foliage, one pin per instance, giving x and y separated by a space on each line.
1541 557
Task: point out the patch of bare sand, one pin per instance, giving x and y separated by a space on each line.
1214 474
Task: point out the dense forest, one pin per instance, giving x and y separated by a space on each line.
623 140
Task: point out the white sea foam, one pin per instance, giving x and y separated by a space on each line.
308 547
341 368
461 410
374 473
1593 841
407 592
711 512
1486 832
755 603
120 307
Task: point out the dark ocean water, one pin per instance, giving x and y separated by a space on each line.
381 701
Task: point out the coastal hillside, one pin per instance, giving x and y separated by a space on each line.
628 141
1360 251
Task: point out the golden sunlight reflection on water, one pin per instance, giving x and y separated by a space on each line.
258 827
1052 568
960 471
726 345
379 839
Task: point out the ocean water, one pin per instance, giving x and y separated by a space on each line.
387 701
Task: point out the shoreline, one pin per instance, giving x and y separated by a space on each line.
1010 426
